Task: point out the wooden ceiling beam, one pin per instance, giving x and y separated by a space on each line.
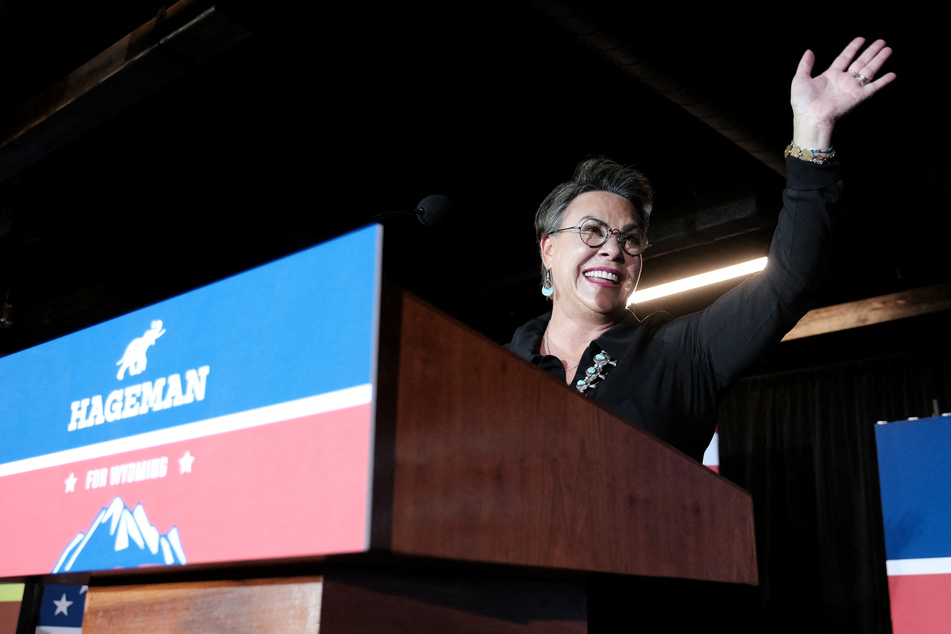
875 310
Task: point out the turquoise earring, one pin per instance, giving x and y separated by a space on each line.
548 289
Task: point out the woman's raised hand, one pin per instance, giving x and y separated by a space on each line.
818 102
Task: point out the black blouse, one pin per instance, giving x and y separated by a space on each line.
671 374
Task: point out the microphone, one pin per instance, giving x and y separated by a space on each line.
431 211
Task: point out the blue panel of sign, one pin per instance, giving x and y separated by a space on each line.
914 464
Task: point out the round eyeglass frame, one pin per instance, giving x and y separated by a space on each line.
608 232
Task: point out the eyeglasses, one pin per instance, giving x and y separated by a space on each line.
595 233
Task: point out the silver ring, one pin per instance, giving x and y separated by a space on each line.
862 78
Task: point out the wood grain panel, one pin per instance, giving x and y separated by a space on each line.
235 607
343 601
498 462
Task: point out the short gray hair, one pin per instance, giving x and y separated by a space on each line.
593 175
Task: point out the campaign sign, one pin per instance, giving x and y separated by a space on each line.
914 464
230 423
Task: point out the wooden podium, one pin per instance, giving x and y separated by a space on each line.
496 489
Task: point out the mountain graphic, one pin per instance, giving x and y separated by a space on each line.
120 538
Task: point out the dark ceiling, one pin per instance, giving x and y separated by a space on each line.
288 123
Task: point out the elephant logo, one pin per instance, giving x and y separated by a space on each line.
134 358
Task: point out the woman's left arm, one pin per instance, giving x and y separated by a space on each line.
741 325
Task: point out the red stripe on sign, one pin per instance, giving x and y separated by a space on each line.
287 489
919 603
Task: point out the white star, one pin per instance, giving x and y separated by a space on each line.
82 590
185 463
71 483
61 605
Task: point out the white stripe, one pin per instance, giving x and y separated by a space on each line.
930 566
57 629
320 404
711 457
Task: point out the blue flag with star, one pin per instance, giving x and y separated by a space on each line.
61 611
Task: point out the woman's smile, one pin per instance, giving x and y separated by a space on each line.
593 281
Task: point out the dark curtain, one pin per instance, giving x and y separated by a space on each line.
798 434
802 442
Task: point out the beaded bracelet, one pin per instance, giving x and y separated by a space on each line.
819 157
